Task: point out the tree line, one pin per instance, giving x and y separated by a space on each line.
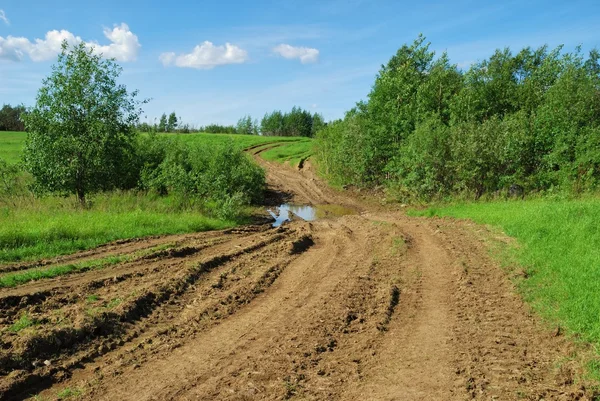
527 120
297 122
10 118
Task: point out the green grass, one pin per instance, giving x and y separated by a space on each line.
32 228
11 145
18 278
24 321
243 141
41 228
291 153
559 248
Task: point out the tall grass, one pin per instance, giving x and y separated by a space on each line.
46 227
559 249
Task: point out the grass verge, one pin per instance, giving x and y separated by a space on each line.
47 227
559 249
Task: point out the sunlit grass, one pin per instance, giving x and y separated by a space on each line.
291 153
41 228
559 248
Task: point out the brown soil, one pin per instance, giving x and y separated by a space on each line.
375 306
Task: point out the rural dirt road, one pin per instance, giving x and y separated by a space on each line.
369 306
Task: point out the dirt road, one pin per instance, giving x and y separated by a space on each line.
371 306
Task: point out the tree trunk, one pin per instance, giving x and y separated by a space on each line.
81 195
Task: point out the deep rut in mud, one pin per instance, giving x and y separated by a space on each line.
367 306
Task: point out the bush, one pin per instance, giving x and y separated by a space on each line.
530 119
220 175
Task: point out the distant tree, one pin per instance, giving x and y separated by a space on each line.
318 123
245 126
10 118
82 127
272 124
172 122
162 124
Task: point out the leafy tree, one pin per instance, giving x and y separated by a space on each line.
162 124
245 126
172 122
81 129
427 130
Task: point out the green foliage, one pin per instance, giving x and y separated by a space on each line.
81 136
246 126
162 124
198 173
559 248
218 129
429 130
297 122
172 122
10 118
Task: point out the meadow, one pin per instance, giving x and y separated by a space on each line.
33 227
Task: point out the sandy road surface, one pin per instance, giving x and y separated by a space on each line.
372 306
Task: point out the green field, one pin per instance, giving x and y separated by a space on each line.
559 249
11 145
291 153
33 228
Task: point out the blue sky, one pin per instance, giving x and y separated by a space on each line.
320 55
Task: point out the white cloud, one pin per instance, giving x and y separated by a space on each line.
304 54
206 56
124 45
4 18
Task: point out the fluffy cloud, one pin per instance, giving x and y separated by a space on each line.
304 54
206 56
124 45
4 18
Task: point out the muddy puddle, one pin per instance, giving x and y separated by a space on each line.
288 212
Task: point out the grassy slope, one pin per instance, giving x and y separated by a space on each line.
559 249
41 228
292 153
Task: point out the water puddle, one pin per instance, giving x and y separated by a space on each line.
288 212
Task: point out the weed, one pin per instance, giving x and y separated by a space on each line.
68 393
24 321
92 298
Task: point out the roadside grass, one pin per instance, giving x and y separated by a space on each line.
11 145
14 279
47 227
559 249
18 278
291 153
